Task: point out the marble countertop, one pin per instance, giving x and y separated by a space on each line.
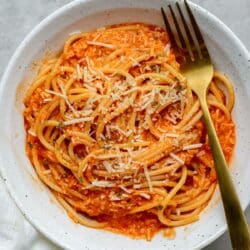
18 17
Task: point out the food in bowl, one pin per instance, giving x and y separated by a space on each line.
117 135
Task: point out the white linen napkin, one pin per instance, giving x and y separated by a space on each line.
16 233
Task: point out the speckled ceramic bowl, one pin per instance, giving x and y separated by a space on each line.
35 200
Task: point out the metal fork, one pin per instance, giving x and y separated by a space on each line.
198 70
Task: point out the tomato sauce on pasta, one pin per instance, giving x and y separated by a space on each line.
115 132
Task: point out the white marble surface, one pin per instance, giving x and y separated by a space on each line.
18 17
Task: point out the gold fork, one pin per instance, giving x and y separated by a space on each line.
198 70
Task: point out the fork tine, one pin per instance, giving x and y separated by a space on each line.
196 28
169 31
177 26
190 41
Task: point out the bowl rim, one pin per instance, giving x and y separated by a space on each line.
6 76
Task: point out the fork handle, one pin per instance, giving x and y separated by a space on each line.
236 220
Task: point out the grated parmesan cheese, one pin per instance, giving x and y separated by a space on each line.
102 183
177 158
118 153
130 91
96 37
79 120
137 186
89 87
108 166
114 198
103 137
32 132
85 74
107 156
170 135
109 46
130 152
148 179
167 49
64 96
167 117
67 100
54 93
201 153
47 99
125 189
118 129
108 134
135 63
146 196
192 146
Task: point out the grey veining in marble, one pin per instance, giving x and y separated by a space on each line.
18 17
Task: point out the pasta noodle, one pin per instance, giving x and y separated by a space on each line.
116 134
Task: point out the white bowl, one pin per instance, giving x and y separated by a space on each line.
35 200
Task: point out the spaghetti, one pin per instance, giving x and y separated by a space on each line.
116 134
